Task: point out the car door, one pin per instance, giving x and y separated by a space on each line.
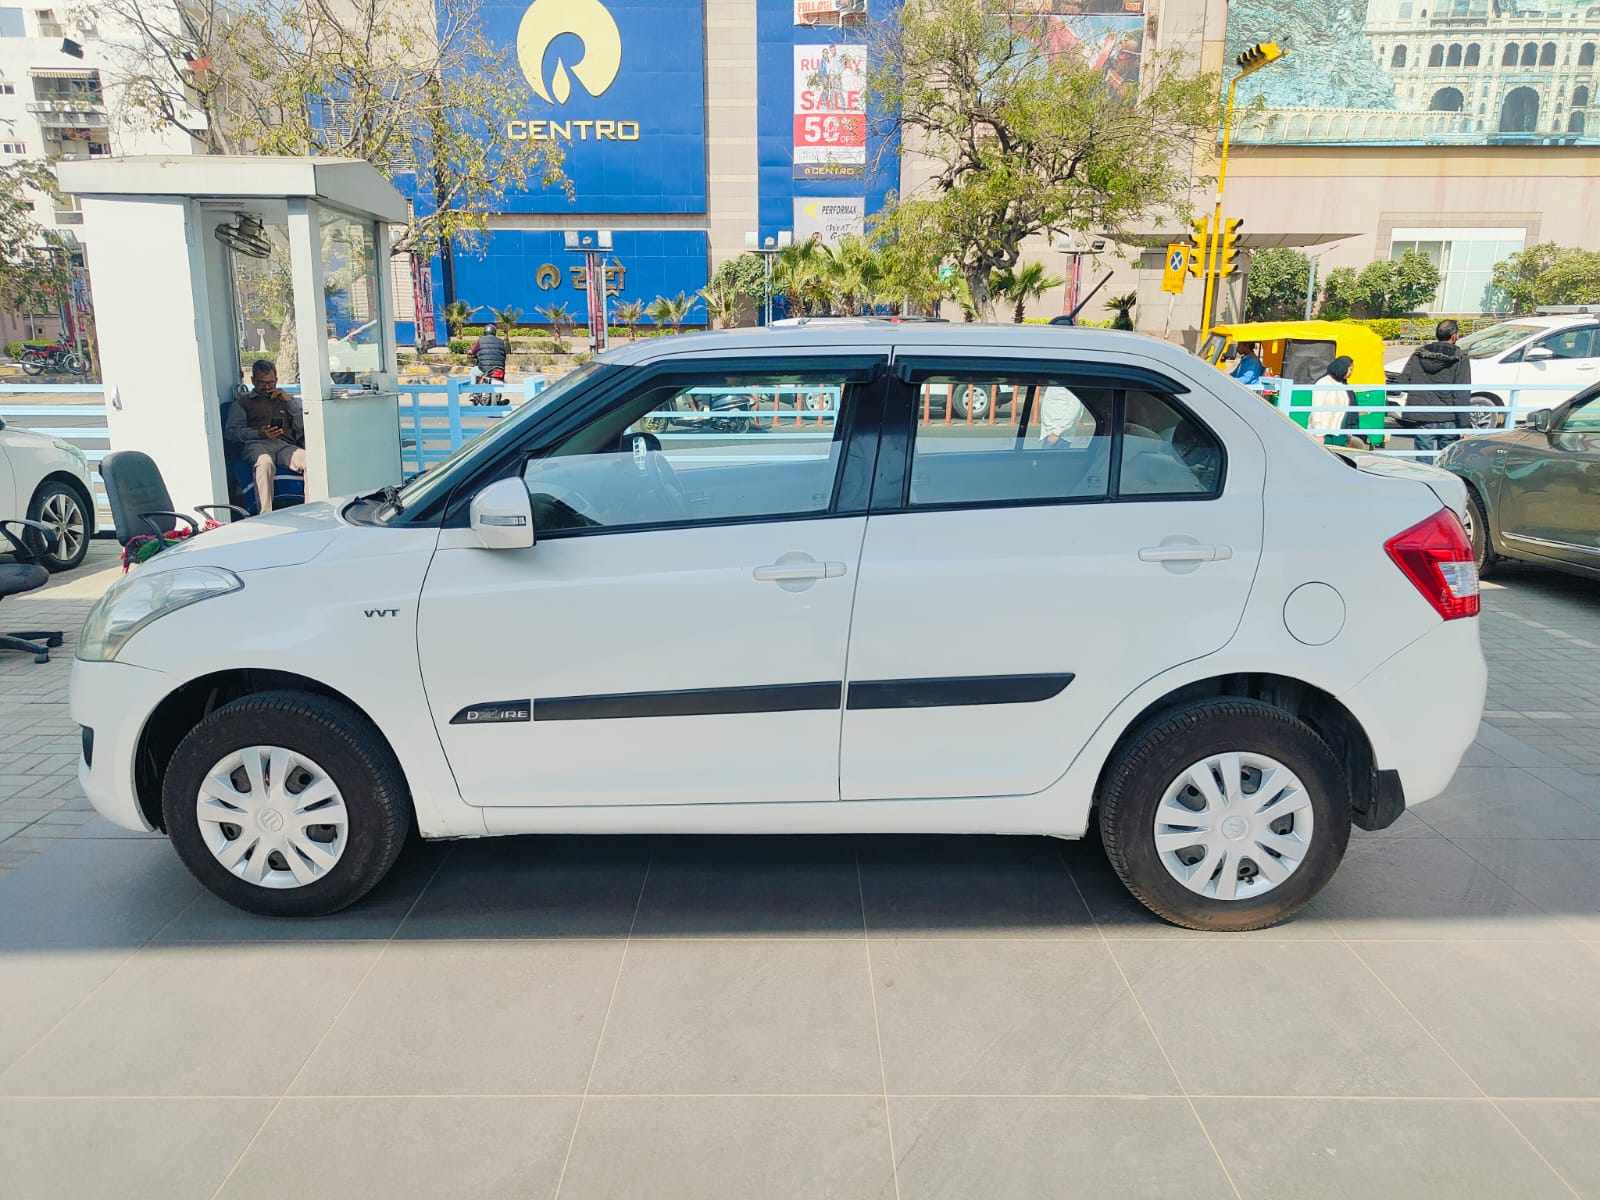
1551 488
10 504
1022 575
677 634
1557 366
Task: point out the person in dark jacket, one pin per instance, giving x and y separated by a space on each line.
489 353
1440 362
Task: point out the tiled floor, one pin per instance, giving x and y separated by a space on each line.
828 1017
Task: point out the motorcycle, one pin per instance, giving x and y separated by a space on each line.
491 396
59 356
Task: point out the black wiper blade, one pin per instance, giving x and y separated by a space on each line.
390 495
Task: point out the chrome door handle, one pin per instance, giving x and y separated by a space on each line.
1181 553
788 572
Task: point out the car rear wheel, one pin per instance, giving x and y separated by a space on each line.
286 804
62 508
1477 524
1485 420
1226 815
970 400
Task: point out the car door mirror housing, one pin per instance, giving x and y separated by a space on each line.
502 516
1538 354
1540 421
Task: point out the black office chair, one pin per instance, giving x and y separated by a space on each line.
140 504
27 575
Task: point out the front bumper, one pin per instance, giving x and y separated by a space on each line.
114 701
1422 707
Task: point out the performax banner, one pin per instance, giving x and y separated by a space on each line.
621 85
1420 72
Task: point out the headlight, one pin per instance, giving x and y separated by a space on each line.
134 602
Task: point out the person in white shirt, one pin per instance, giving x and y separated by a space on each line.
1332 393
1060 413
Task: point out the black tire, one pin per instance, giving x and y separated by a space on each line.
1484 420
32 365
354 755
1478 530
61 506
970 398
1149 764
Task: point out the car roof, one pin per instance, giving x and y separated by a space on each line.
1545 322
863 333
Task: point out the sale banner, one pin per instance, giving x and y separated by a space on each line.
830 122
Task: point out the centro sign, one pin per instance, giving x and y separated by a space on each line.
595 69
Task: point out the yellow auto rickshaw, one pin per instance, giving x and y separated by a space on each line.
1296 354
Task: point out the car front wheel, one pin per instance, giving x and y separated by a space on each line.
62 508
1477 524
1226 815
286 804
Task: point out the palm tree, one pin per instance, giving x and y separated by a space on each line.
1123 307
456 314
629 313
855 271
1022 284
559 318
722 303
672 310
799 274
505 317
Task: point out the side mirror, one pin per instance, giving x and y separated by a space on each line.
1540 420
502 516
1538 354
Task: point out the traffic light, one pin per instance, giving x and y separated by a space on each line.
1199 243
1258 56
1228 252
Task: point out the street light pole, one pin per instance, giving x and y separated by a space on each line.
1252 60
768 248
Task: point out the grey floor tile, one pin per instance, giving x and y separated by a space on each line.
533 887
1512 749
123 1149
87 894
467 1148
1567 1133
1479 755
1418 1149
1283 1019
746 886
1564 779
196 1021
470 1018
98 827
741 1016
1011 1017
1517 1016
963 1147
376 915
1408 826
42 986
1562 877
718 1148
1508 802
1119 916
1414 888
969 887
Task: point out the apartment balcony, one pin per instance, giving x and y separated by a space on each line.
68 114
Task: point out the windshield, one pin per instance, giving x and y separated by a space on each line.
1486 343
441 477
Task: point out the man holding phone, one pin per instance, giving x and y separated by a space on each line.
268 425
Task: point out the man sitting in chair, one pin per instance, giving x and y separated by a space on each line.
269 427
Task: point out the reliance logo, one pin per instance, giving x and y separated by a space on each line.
587 20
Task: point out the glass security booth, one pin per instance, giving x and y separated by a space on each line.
203 266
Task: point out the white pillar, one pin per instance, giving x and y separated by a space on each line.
311 337
150 309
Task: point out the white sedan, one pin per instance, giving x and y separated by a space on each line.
46 479
1185 622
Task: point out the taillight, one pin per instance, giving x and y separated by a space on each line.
1436 555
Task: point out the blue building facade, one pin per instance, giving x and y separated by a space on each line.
622 85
